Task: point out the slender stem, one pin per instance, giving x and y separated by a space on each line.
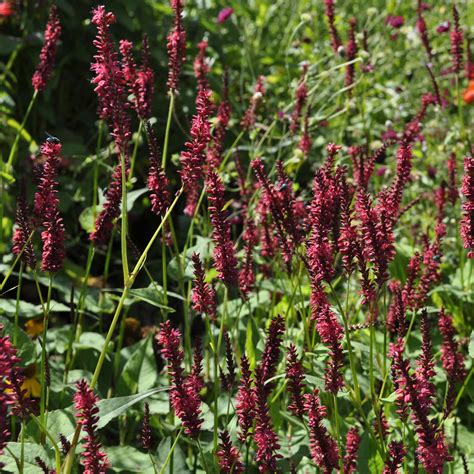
13 150
167 132
135 149
167 460
124 230
17 306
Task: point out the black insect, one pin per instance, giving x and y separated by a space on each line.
51 139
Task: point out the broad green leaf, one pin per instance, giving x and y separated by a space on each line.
151 296
128 459
31 450
29 310
132 196
140 372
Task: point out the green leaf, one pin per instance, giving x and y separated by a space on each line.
251 341
31 450
29 310
132 196
151 296
128 459
86 218
471 345
113 407
140 371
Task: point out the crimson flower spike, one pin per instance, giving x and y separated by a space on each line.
183 395
467 221
351 52
300 100
176 46
245 401
157 182
224 252
228 456
140 81
423 31
216 146
194 157
295 376
451 358
395 456
457 39
111 210
85 401
21 235
48 51
353 440
203 298
46 209
250 116
329 11
201 66
323 447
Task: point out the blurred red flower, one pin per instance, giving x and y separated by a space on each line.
225 14
6 9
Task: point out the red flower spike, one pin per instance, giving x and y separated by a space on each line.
245 401
46 209
110 83
225 260
176 46
351 52
194 157
352 447
48 51
295 376
457 40
85 401
183 395
300 100
228 456
157 182
203 298
21 235
467 221
111 210
329 11
396 455
324 450
250 117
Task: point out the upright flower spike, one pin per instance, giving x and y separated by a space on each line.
467 221
395 456
157 181
250 116
264 437
324 450
352 447
228 456
110 83
245 401
329 11
183 395
176 46
295 376
224 253
203 298
111 210
201 66
216 145
351 52
46 209
457 39
305 142
247 274
85 401
228 379
48 51
432 450
423 31
271 354
146 428
194 157
140 81
451 358
300 100
21 235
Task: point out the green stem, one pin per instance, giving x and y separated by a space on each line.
124 228
167 460
167 132
135 149
17 306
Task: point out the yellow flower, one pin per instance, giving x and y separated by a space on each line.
34 327
31 384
